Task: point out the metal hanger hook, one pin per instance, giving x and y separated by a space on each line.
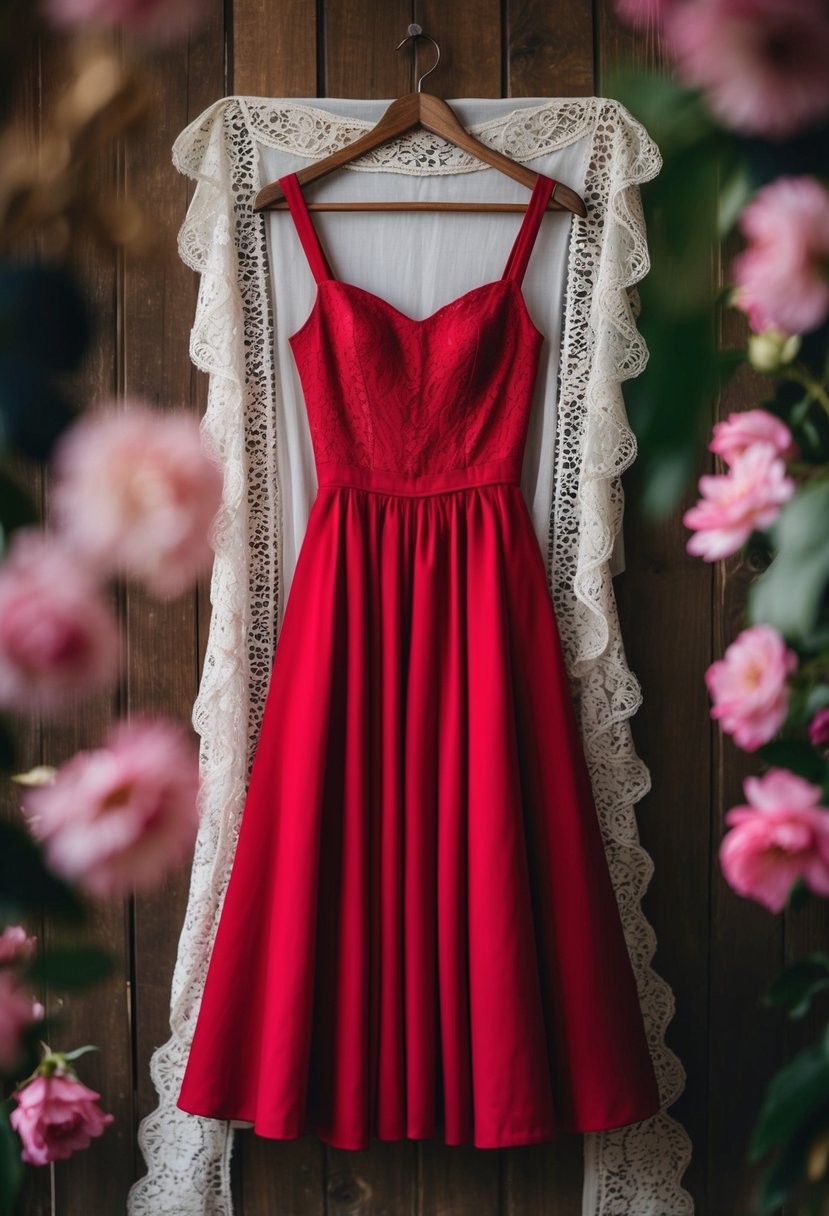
415 32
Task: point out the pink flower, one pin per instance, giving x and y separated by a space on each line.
781 836
16 946
760 63
156 20
782 278
117 818
55 1117
136 491
819 729
735 503
748 686
741 431
58 636
17 1013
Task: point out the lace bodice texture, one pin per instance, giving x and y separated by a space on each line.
439 401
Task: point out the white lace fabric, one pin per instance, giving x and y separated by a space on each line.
630 1171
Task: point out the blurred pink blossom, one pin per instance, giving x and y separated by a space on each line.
760 63
156 20
782 278
55 1117
734 504
118 818
819 729
780 836
18 1012
135 491
16 946
748 686
734 436
58 635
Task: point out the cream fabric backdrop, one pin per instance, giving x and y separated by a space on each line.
255 289
418 261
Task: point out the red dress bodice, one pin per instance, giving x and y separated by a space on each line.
416 406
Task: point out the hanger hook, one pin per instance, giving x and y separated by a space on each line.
415 32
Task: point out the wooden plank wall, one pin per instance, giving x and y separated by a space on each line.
716 951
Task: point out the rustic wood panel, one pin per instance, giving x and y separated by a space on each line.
747 942
549 49
666 605
158 295
270 1177
716 951
107 1170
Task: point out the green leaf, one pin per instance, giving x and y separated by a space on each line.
797 755
672 112
79 1051
71 967
734 194
795 987
788 595
16 508
11 1165
26 881
794 1094
818 698
798 896
785 1172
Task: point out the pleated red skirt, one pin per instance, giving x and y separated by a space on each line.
420 935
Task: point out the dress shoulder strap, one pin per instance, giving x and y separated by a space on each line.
305 227
524 241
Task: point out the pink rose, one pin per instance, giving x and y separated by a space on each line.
819 729
741 431
118 818
782 278
760 63
135 491
157 20
55 1117
18 1012
58 635
748 686
780 837
16 946
736 503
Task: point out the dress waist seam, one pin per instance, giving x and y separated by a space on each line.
381 481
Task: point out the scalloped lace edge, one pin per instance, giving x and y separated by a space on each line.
631 1169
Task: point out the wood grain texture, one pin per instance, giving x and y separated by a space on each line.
158 303
469 34
666 609
101 1014
359 41
747 942
272 47
549 49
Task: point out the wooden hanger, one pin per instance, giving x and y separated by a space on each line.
419 109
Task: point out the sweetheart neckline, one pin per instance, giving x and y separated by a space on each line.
415 320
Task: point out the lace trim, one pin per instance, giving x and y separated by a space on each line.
634 1169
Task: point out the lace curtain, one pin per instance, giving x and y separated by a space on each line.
580 444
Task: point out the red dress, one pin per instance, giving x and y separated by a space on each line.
420 935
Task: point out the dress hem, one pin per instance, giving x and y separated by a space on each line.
523 1139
